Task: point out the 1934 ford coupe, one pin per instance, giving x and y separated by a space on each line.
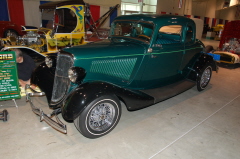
147 59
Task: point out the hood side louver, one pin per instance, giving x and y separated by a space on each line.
121 68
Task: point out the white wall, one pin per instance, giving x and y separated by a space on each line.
219 4
104 7
214 9
171 6
233 2
228 13
103 2
32 12
204 8
210 9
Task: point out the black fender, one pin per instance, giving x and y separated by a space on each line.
84 94
43 77
203 60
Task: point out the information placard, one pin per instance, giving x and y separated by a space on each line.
9 86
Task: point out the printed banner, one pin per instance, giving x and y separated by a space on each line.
214 20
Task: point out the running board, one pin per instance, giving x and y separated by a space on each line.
162 93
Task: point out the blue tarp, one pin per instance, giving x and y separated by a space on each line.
216 57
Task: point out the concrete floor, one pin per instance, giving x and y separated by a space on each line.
192 125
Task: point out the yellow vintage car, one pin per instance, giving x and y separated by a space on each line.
228 57
63 24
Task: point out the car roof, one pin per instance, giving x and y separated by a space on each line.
55 4
156 19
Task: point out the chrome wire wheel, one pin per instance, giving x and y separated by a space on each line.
101 117
206 76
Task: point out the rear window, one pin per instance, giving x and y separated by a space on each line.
169 34
171 29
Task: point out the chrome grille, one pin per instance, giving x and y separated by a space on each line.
61 80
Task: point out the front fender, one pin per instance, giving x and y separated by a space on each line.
87 92
202 61
43 77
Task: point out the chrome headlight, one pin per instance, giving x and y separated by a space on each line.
72 74
49 62
76 74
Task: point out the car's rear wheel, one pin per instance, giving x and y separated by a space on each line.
204 78
99 117
11 33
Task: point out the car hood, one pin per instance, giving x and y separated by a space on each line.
107 49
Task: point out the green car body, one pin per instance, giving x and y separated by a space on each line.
147 59
127 64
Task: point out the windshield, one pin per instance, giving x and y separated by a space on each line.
51 17
137 30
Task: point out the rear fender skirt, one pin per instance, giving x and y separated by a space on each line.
203 59
87 92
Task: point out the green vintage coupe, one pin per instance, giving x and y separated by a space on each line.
147 59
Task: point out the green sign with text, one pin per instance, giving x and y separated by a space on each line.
9 87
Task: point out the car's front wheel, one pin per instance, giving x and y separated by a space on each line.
204 78
99 117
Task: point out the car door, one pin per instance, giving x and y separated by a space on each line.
164 61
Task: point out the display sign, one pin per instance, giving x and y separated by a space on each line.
9 87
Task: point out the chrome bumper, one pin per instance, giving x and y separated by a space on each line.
58 125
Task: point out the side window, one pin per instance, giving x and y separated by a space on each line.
67 20
189 34
169 34
47 19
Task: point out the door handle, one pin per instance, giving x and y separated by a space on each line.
153 56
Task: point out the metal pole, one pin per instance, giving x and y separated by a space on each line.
141 6
15 102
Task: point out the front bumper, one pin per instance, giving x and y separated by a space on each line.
58 125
